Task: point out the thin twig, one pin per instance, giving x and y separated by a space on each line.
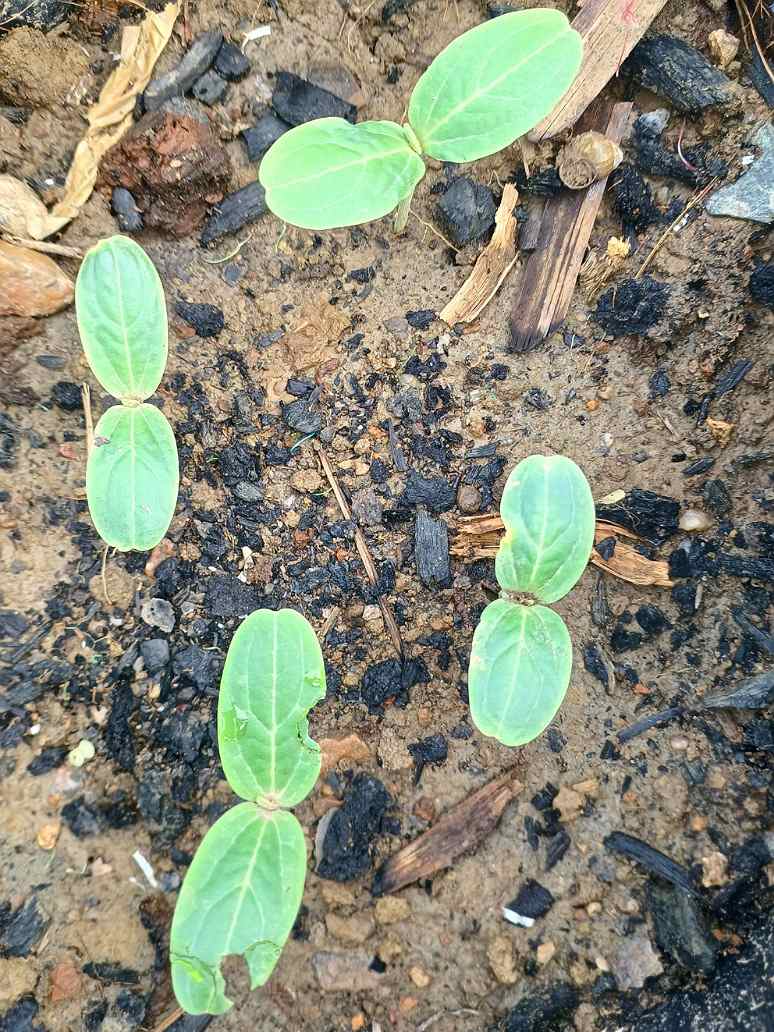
434 230
362 547
697 199
170 1019
231 254
108 599
742 6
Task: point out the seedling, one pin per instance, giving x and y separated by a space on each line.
521 658
244 887
488 87
132 472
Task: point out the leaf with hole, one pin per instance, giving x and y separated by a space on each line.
240 896
330 173
122 318
132 477
493 84
548 512
274 674
520 665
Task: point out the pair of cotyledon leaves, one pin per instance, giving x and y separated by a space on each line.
243 889
132 470
521 657
487 88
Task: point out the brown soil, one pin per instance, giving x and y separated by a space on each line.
452 958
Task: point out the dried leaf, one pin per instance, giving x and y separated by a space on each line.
22 213
111 116
493 265
311 347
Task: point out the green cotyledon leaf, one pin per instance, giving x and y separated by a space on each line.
493 84
330 173
273 675
520 665
548 512
240 896
122 318
132 477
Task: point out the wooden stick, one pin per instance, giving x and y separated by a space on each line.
546 284
492 266
459 830
362 548
610 30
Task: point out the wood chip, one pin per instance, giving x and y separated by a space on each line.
493 265
464 827
478 537
545 286
610 30
351 748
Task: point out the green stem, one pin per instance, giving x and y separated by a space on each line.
402 213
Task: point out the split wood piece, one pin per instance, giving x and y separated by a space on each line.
610 30
493 265
458 831
362 548
546 284
478 537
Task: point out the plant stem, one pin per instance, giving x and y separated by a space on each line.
402 214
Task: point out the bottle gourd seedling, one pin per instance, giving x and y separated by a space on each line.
521 657
488 87
244 887
132 471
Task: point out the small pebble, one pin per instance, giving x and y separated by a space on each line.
468 499
695 520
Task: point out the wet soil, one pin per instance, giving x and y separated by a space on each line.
257 525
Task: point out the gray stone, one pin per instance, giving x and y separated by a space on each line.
195 63
752 195
155 654
209 88
431 551
635 961
367 507
157 612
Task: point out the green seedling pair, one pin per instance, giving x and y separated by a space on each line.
132 472
487 88
521 658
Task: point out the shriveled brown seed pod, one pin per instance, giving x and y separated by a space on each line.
587 158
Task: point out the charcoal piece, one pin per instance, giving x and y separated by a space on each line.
533 900
466 211
606 547
82 818
8 439
227 596
738 999
21 1017
437 494
209 89
759 567
538 399
695 165
675 70
234 211
716 498
236 463
544 799
38 14
633 199
647 723
422 319
119 741
601 614
632 307
595 664
623 640
762 639
348 844
759 736
364 275
391 680
297 101
266 131
231 62
155 655
21 929
194 64
303 415
658 384
762 285
431 551
698 466
652 620
206 319
124 207
682 930
684 597
433 749
651 516
393 7
66 395
48 759
760 77
545 183
752 693
199 667
652 860
730 381
544 1012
